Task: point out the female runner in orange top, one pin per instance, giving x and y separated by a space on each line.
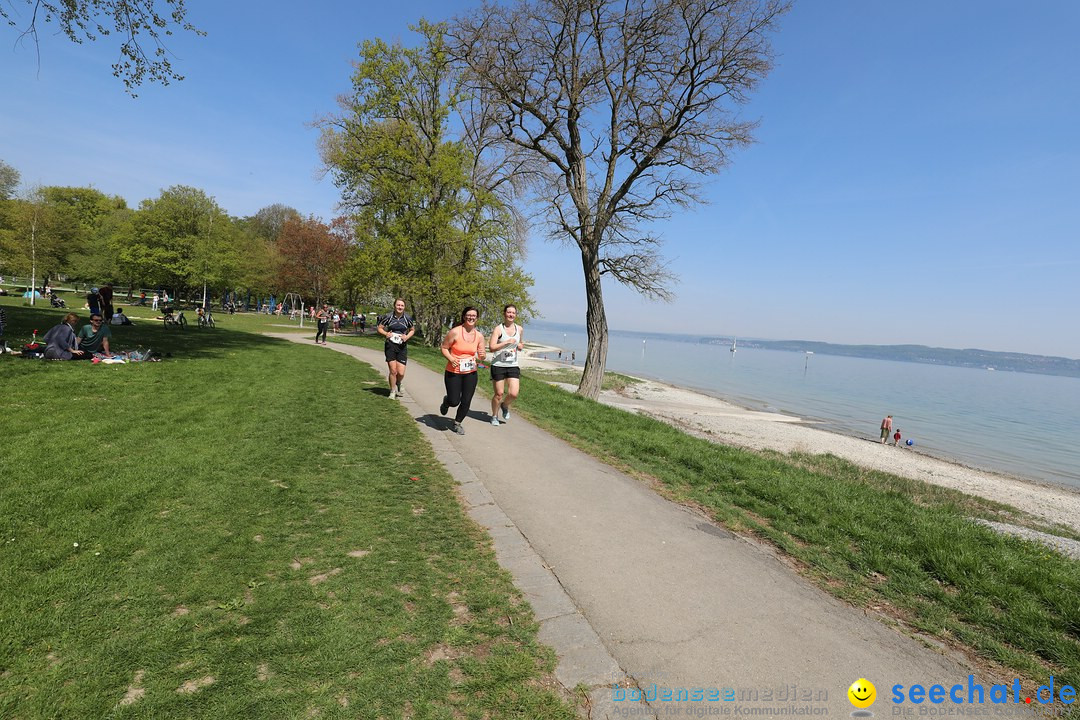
463 348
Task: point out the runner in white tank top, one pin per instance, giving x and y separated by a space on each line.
507 340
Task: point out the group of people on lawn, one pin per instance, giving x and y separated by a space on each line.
62 342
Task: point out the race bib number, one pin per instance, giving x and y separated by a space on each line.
466 364
510 356
395 338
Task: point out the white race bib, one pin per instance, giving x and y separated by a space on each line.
395 338
509 356
466 365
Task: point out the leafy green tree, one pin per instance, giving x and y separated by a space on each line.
617 111
98 259
269 221
9 180
37 238
426 227
133 21
257 261
182 240
82 250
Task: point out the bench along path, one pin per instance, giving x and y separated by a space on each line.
630 587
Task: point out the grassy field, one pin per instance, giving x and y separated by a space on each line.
904 548
244 530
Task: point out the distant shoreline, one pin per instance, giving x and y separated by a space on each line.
971 358
704 415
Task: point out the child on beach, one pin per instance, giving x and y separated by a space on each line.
896 438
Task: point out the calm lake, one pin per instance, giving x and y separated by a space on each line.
1016 423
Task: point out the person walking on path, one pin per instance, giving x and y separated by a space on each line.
886 427
463 347
323 316
507 340
397 328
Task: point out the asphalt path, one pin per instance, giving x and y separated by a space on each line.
638 594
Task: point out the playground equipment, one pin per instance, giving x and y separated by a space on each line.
293 304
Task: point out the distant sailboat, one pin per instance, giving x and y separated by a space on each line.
732 344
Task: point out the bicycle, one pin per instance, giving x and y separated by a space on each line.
206 319
177 320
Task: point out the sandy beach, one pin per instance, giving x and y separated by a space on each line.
720 421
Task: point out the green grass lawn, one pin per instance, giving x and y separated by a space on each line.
171 470
905 548
246 529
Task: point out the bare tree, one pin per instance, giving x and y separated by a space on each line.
620 109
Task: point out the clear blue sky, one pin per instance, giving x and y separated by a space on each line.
916 177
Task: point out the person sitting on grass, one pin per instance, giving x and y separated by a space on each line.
119 318
61 342
95 336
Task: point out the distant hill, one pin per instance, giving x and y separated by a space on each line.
970 358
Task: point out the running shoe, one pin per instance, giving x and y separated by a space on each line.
495 421
392 395
445 405
456 427
505 414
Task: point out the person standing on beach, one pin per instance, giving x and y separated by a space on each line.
506 341
896 438
397 328
886 427
463 348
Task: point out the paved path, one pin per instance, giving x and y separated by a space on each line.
630 587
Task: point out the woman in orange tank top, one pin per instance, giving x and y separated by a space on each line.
463 348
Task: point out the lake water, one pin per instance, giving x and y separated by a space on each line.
1017 423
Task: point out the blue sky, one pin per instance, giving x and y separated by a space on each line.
916 177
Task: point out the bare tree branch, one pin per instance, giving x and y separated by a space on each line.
132 20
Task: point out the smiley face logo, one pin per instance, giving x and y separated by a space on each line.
862 693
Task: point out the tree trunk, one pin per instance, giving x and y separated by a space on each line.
596 326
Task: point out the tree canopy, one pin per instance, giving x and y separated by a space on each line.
430 225
9 180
